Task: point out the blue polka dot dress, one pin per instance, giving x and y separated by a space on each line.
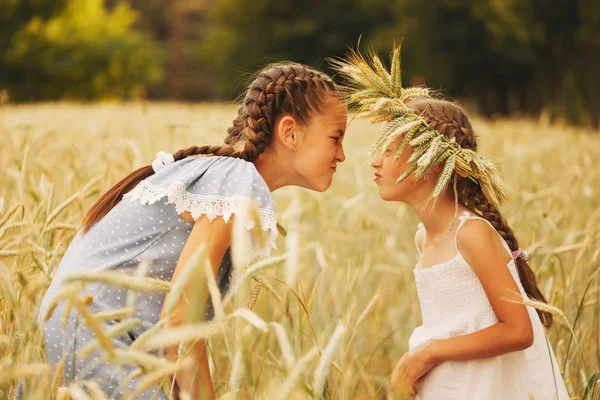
145 226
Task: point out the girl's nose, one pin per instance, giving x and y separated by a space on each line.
341 156
376 163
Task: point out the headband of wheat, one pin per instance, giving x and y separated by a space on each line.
381 98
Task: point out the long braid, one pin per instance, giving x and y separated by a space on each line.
476 200
280 89
451 121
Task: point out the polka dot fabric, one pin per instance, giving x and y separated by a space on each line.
146 225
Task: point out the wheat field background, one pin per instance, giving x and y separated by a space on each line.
334 306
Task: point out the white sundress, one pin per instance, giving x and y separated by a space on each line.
453 303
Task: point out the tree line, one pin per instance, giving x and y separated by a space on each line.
503 57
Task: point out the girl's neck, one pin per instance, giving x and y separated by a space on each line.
272 169
439 217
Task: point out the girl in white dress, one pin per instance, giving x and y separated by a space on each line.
473 344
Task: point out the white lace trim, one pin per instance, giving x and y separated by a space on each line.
211 206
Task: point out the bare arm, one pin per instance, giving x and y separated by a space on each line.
215 237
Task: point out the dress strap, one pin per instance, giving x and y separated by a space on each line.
466 216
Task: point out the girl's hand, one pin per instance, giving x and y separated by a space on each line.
411 367
398 378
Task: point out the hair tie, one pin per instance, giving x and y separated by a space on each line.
162 160
524 255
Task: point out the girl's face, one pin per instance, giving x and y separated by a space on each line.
387 172
319 148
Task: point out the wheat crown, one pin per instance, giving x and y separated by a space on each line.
380 97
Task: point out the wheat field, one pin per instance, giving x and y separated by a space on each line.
330 312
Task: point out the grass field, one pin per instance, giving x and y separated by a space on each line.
346 262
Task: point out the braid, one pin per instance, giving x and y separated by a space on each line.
217 150
279 89
474 198
451 121
235 131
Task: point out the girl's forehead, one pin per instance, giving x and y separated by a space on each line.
334 111
336 105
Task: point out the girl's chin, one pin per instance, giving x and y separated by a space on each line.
322 184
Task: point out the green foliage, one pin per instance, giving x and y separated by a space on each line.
503 57
506 57
242 36
82 52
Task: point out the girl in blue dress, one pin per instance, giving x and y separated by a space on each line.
288 131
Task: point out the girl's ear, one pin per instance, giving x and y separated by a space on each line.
286 131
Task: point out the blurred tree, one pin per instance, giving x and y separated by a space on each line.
177 38
450 49
14 14
178 27
558 42
78 51
508 56
242 37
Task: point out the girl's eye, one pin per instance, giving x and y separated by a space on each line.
337 139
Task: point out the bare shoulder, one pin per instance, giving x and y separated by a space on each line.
478 241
